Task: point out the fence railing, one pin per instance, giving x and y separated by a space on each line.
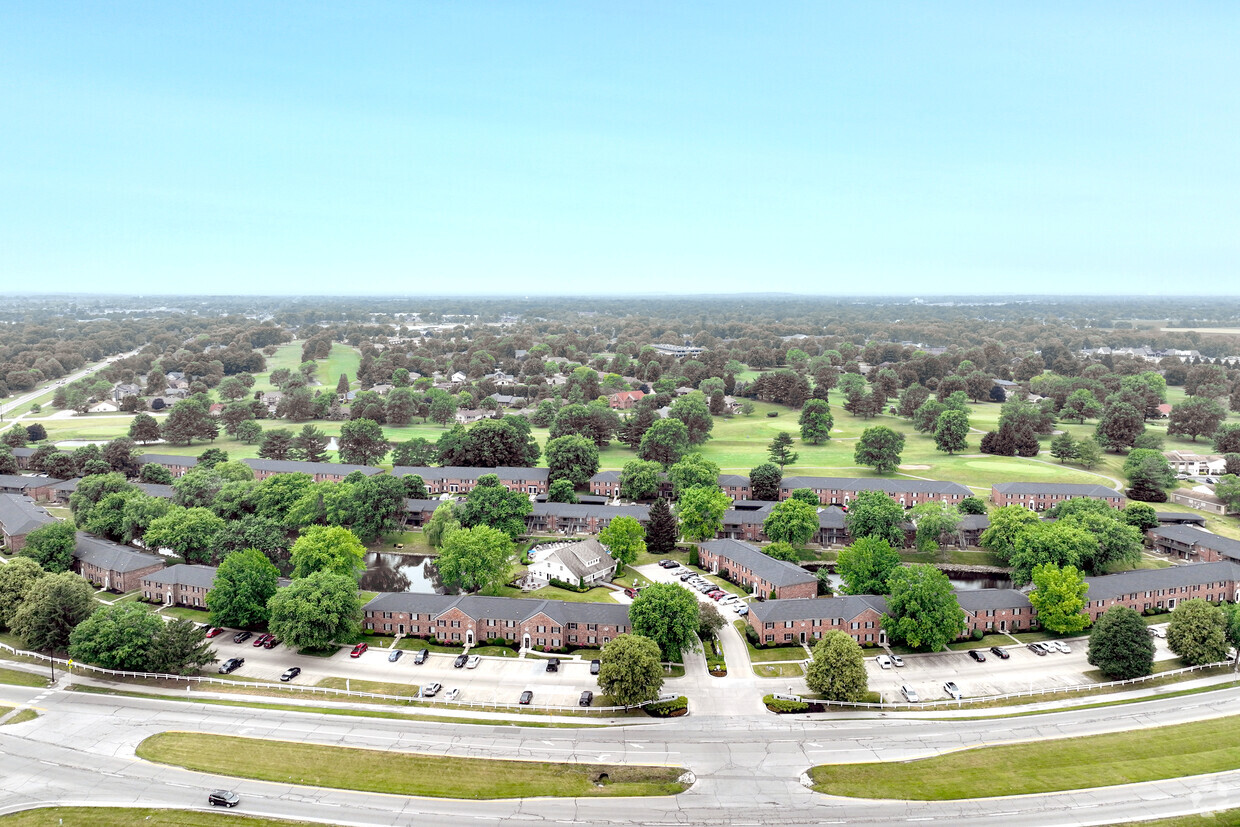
319 690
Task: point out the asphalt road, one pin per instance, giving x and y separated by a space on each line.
81 751
17 402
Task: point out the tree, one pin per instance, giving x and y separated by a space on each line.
250 432
866 565
561 491
639 480
629 670
693 410
400 407
816 421
951 433
667 613
764 481
277 444
700 512
417 452
1062 543
1140 516
443 522
491 504
837 668
879 447
54 606
180 647
210 458
315 611
143 428
625 540
186 421
663 528
780 451
16 580
691 471
51 546
1119 427
937 523
922 610
244 584
362 442
1088 453
1228 490
1006 524
1149 475
189 532
310 445
1080 405
1063 447
1058 596
37 433
475 558
926 417
573 458
118 636
665 442
710 621
874 514
328 548
791 521
1198 632
1196 416
912 398
1227 438
1120 645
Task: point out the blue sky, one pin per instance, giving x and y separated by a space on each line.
590 147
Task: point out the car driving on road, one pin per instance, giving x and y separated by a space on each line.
223 798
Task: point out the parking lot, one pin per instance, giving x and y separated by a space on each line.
495 680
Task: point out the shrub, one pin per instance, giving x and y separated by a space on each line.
751 634
693 557
784 706
772 413
978 634
668 709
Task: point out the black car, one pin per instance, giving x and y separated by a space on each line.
668 564
977 655
395 656
421 655
241 637
460 661
290 673
685 577
553 665
526 697
223 798
595 665
999 652
231 665
586 698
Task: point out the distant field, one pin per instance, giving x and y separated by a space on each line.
1227 331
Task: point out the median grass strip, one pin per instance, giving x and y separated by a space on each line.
17 677
21 717
1045 766
404 690
403 773
128 816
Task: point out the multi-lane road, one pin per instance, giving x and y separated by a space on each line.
747 767
14 404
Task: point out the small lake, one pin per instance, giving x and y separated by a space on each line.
390 572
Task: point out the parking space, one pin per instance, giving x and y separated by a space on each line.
656 574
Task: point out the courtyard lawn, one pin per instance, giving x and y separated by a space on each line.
778 670
775 654
411 542
596 595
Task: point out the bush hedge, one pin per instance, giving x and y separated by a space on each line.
781 706
668 709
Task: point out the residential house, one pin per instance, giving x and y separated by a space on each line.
18 517
624 400
418 512
805 621
62 491
1194 544
971 528
22 457
468 415
586 563
735 486
1039 496
154 489
321 471
112 566
125 389
1195 465
103 406
176 465
605 484
747 566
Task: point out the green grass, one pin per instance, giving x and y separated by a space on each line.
412 542
596 595
772 655
778 670
1046 766
1221 818
17 677
21 717
128 816
985 643
402 773
400 690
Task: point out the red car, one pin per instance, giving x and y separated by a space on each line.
214 631
630 593
358 649
272 642
261 640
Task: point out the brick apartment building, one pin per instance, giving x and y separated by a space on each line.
805 621
605 484
1163 588
907 492
38 489
112 566
18 517
176 465
990 610
747 566
624 400
576 518
321 471
453 479
180 585
1040 496
1194 544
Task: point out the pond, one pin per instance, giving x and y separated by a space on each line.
391 572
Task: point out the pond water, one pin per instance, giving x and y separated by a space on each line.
390 572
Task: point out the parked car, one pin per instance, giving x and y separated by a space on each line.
715 595
977 655
728 600
526 697
1062 646
215 631
359 649
951 689
460 661
686 577
420 656
667 564
272 642
586 698
595 665
231 665
290 673
897 660
742 609
999 652
473 661
453 694
1036 648
395 655
883 661
1158 631
261 639
431 689
241 637
223 798
910 694
630 592
553 665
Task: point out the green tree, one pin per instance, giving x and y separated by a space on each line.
664 442
190 532
328 548
666 613
143 428
561 491
782 551
922 610
1058 596
116 637
866 565
277 444
1006 524
1119 426
315 611
691 471
362 442
443 522
1198 632
639 480
310 445
1227 438
1140 516
1149 475
244 584
816 421
491 504
710 621
1081 404
188 420
54 606
791 521
926 417
1063 447
663 528
625 540
417 452
1061 543
630 671
1196 416
1228 490
780 450
952 432
700 512
51 546
874 514
937 523
1120 645
693 410
972 505
879 448
764 481
837 668
180 647
1088 453
475 558
16 580
573 458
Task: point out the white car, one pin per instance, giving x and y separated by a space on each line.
951 689
910 694
453 694
473 661
883 661
731 598
742 609
1060 646
897 660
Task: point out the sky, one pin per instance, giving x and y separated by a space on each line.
460 147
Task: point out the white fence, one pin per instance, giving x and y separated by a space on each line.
317 690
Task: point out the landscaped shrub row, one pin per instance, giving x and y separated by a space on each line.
668 709
781 706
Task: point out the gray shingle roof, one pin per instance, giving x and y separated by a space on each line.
1174 517
1197 537
870 484
1109 586
606 476
981 600
501 608
458 472
19 515
184 574
18 482
111 556
737 480
277 466
640 513
168 459
583 559
154 489
775 572
846 607
1065 489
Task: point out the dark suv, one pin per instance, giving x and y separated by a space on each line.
553 665
231 665
460 661
421 655
223 798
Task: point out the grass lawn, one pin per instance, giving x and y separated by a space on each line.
772 655
1222 818
596 595
1045 766
401 773
128 816
21 717
16 677
985 643
778 670
400 690
411 542
1158 667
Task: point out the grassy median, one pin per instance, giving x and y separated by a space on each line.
1044 766
403 773
128 816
